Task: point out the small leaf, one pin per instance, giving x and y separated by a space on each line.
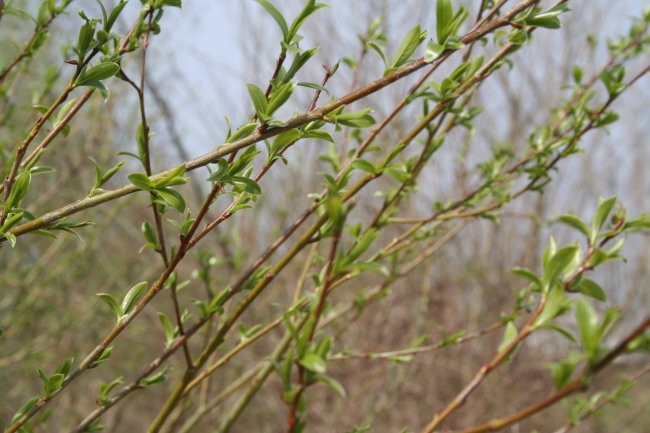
561 373
358 119
433 51
560 330
243 161
132 296
411 41
319 134
375 46
154 378
313 362
173 178
149 234
555 305
19 190
298 62
173 3
286 138
97 73
105 356
444 15
575 222
86 33
24 409
559 262
168 327
588 327
509 336
278 97
313 86
259 101
592 289
527 274
220 172
242 131
141 181
112 302
332 383
310 7
108 23
171 197
65 367
106 388
249 185
605 206
548 22
453 338
53 383
366 166
336 211
277 16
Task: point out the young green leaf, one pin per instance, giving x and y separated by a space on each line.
298 62
509 336
105 356
168 328
112 302
358 119
154 378
149 234
527 274
588 327
559 262
286 138
24 408
53 383
444 15
220 172
555 306
86 33
605 207
310 8
172 198
21 185
242 131
592 289
433 51
112 17
248 185
575 222
332 383
97 73
313 86
561 373
106 388
313 362
277 16
65 367
132 296
559 330
319 134
409 44
173 3
278 97
141 181
259 101
365 165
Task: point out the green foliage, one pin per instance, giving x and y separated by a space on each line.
365 259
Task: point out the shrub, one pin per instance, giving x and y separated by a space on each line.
300 313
